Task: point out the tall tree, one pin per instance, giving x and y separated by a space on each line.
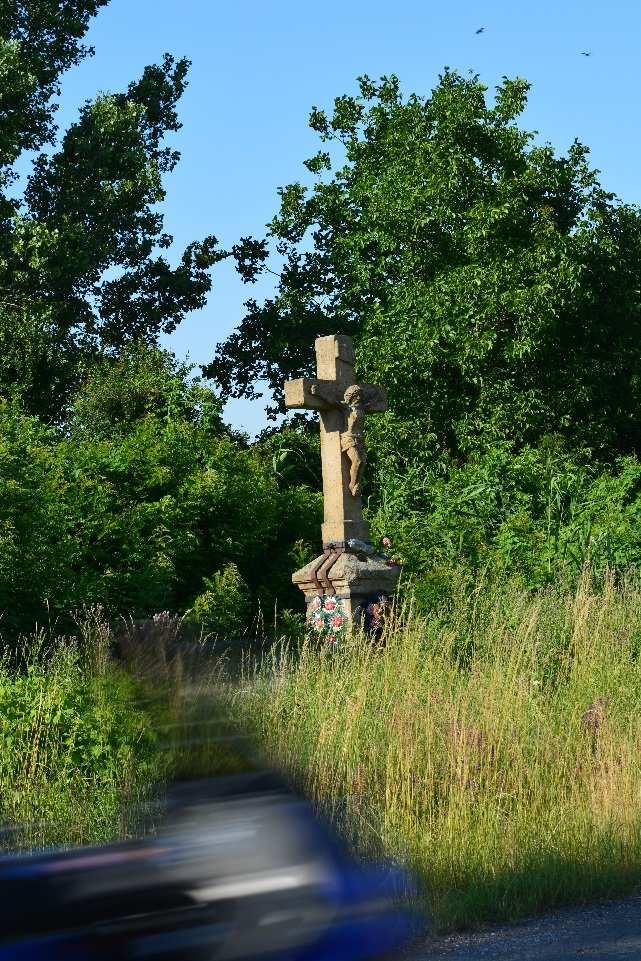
491 284
82 269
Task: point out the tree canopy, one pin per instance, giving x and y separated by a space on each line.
120 486
491 284
82 268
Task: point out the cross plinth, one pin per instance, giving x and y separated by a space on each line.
349 570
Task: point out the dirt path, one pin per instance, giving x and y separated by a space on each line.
607 932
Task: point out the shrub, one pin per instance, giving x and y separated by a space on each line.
140 498
224 607
77 749
542 515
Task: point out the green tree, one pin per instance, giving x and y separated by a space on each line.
142 382
142 503
490 284
82 269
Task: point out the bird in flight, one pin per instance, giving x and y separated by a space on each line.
480 30
586 53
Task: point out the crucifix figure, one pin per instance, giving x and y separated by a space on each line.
352 441
342 405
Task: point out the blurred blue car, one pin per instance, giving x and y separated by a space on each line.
241 869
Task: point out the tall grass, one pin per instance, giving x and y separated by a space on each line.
93 725
494 746
79 750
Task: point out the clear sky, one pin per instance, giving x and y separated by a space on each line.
260 65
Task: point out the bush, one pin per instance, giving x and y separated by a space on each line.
224 607
37 548
142 497
540 516
77 749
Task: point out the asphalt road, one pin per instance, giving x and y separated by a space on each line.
607 932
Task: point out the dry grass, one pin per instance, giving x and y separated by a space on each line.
494 746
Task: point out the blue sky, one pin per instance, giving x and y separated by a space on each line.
259 67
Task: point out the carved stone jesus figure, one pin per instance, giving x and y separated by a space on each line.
354 407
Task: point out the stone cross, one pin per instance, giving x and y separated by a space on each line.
342 447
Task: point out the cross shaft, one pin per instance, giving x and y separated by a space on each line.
342 445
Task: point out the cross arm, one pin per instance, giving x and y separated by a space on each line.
298 394
329 394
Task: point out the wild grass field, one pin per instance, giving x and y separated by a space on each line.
493 746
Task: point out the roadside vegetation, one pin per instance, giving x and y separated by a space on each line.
494 745
94 724
79 749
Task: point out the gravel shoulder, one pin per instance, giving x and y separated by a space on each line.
606 931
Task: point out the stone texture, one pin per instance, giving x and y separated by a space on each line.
347 576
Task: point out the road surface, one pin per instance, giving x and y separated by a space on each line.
607 932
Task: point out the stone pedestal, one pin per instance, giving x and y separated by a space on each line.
343 581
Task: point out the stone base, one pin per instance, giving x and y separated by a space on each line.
348 578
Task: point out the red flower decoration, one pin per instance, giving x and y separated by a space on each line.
326 617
